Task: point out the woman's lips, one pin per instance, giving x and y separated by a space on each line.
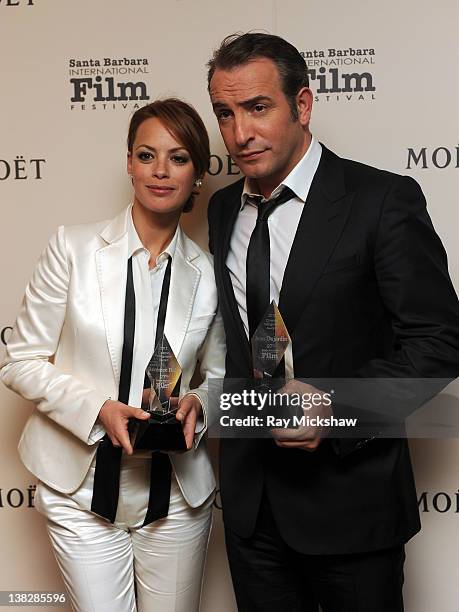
160 190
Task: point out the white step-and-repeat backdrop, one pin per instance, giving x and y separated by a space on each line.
71 73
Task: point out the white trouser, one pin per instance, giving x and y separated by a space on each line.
100 562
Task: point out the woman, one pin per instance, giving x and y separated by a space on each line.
129 529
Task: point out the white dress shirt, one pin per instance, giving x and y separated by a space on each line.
140 258
282 223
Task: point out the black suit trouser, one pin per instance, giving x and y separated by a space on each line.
269 576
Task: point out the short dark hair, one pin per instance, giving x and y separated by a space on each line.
239 49
187 127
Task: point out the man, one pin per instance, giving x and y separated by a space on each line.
361 280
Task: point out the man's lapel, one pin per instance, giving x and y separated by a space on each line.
321 224
229 212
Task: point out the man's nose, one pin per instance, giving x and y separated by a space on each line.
243 130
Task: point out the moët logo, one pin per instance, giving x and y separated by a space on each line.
440 157
22 168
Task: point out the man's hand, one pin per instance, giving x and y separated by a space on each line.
188 412
305 438
115 416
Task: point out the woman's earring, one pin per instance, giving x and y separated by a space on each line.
198 182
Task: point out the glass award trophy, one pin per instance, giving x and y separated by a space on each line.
162 431
269 343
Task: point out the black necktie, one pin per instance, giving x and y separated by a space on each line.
258 261
160 467
108 459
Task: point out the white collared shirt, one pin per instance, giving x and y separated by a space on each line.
140 272
140 258
282 223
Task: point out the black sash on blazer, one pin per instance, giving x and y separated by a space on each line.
108 457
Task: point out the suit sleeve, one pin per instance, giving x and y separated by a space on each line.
412 272
27 367
411 268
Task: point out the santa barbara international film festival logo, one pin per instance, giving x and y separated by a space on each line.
108 83
341 75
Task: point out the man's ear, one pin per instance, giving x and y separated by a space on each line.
304 100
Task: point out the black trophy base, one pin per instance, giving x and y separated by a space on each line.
159 433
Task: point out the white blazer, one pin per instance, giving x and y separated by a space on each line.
64 353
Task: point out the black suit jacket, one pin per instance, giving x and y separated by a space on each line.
366 293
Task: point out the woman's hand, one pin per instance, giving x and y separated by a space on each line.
115 416
188 412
